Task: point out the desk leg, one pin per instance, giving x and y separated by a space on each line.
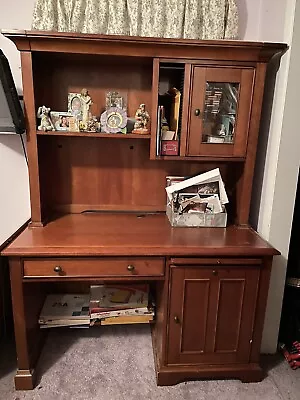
26 304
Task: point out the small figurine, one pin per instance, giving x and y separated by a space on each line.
93 125
221 130
142 118
46 122
86 102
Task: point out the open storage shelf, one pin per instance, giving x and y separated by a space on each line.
94 134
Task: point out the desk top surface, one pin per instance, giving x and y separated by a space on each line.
121 234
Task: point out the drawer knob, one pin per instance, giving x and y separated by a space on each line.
215 272
58 269
197 112
176 319
130 267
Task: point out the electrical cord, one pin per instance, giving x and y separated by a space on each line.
24 150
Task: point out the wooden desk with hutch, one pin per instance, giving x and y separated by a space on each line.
210 284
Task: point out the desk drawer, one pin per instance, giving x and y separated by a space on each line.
100 267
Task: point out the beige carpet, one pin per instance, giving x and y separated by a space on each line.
116 363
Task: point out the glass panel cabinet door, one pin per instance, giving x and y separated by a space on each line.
220 111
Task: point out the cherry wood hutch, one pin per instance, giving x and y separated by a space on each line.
98 200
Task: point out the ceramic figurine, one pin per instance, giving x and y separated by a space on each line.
92 125
46 123
86 102
142 118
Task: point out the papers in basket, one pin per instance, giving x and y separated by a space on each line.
204 193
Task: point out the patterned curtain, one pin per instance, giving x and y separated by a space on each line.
192 19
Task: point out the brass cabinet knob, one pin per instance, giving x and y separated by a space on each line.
176 319
218 262
57 268
215 272
197 112
130 268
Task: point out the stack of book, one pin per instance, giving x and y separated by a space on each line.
71 310
120 304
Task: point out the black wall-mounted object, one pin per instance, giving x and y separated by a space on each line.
11 112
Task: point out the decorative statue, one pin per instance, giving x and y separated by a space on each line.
142 118
86 102
46 123
93 125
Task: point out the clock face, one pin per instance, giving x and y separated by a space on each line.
113 120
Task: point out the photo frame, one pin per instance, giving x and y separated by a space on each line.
75 104
61 120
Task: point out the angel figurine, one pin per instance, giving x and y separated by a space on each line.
46 122
142 118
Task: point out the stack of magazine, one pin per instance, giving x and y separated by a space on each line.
71 310
120 304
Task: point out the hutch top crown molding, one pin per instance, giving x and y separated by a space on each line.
237 50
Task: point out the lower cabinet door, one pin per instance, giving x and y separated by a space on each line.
211 314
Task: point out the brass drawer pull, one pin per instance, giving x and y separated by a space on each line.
58 269
130 267
176 319
215 273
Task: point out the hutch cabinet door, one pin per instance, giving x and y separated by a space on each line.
211 315
219 113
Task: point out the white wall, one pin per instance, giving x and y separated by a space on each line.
263 20
14 190
249 18
14 198
282 162
277 157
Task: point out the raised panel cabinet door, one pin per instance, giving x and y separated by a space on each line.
219 112
211 316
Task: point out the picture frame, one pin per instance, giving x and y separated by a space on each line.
61 120
75 104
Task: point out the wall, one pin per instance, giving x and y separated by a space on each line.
14 192
277 162
282 161
249 18
14 197
15 14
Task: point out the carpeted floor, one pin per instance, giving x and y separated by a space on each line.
116 363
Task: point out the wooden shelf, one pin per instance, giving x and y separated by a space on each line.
200 158
93 134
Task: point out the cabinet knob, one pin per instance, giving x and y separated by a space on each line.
58 269
197 112
130 268
176 319
215 273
